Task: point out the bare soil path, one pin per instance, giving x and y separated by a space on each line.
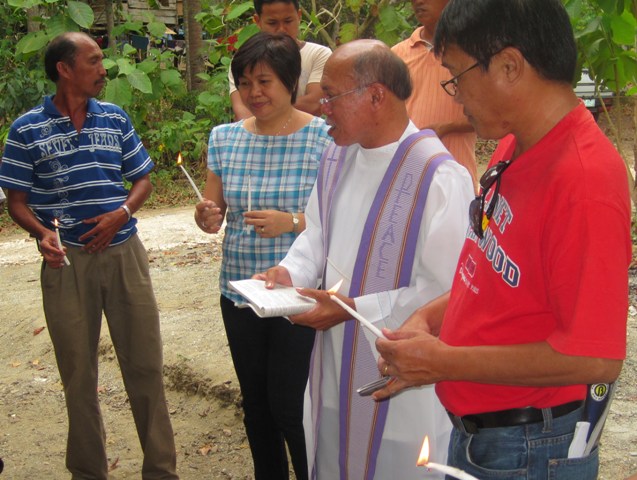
202 388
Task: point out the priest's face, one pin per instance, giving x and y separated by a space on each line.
344 103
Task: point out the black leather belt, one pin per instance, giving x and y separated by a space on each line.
509 418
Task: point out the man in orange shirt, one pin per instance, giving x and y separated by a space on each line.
429 106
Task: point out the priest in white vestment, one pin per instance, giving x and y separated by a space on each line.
365 86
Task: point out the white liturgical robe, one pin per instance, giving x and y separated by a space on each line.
416 412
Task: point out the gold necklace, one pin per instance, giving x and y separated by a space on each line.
256 128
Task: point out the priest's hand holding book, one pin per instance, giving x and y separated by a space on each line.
323 315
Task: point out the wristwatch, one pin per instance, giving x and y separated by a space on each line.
295 222
127 210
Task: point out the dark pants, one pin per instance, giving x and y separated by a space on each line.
272 358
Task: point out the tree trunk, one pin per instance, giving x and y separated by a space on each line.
110 24
33 25
194 45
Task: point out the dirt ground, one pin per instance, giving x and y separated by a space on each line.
202 387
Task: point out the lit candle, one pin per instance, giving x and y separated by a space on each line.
57 233
423 461
363 321
189 178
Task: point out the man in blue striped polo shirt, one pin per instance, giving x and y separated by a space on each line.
64 166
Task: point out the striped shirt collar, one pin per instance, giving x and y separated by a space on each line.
50 108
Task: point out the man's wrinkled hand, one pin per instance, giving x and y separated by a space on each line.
325 314
51 251
106 227
410 357
274 276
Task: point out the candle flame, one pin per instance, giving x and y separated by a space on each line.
423 459
336 287
55 222
179 160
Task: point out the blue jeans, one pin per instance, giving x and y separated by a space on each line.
529 452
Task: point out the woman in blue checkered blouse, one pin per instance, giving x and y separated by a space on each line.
261 172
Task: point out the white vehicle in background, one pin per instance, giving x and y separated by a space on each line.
585 89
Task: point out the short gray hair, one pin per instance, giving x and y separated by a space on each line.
381 65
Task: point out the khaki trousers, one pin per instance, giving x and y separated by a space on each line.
116 282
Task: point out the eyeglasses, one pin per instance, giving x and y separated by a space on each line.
451 86
327 100
478 216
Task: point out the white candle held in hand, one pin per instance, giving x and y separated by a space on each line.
363 321
179 160
423 461
57 233
249 193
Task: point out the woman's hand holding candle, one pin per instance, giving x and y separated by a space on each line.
208 216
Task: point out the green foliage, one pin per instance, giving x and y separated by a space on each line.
22 82
147 84
335 23
141 79
605 33
171 120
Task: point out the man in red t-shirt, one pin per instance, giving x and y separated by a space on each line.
538 307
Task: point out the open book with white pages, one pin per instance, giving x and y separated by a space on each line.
281 301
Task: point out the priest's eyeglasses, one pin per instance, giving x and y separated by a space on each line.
325 101
451 86
478 215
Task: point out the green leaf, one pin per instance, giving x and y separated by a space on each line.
170 77
608 6
238 10
354 5
125 67
108 63
59 24
388 37
207 98
245 33
623 28
128 49
23 3
118 91
81 13
389 18
147 66
157 29
348 32
188 117
32 42
140 81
